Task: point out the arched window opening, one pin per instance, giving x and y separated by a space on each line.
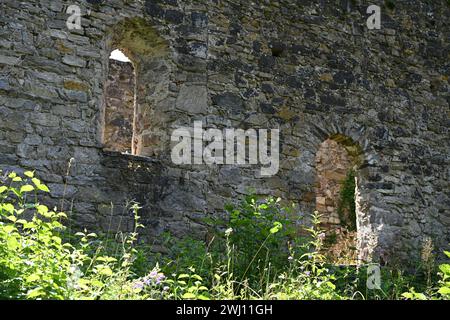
133 116
120 100
337 161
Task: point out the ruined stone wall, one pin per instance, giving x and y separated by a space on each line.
310 68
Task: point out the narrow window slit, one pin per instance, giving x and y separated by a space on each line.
120 103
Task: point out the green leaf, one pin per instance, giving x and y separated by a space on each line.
105 271
12 243
9 228
276 227
32 278
331 285
445 268
62 215
35 293
3 189
26 188
188 295
44 188
8 207
444 291
57 239
97 283
196 276
29 225
29 174
12 218
42 209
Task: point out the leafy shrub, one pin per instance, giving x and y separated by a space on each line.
346 207
35 262
187 253
259 233
444 283
308 276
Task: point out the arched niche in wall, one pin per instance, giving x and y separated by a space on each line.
337 162
119 100
148 53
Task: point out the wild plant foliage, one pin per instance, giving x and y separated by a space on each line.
255 254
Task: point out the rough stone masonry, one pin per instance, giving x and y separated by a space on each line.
310 68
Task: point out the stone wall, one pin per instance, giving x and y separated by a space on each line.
311 69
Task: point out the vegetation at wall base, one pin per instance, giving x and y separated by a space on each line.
254 254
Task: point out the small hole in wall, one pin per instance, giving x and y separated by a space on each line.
119 104
277 51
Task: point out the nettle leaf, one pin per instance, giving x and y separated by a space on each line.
29 225
445 268
42 209
32 278
29 174
35 293
57 239
276 227
104 270
8 207
26 188
444 291
44 188
188 295
12 243
9 228
97 283
106 259
197 277
61 215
